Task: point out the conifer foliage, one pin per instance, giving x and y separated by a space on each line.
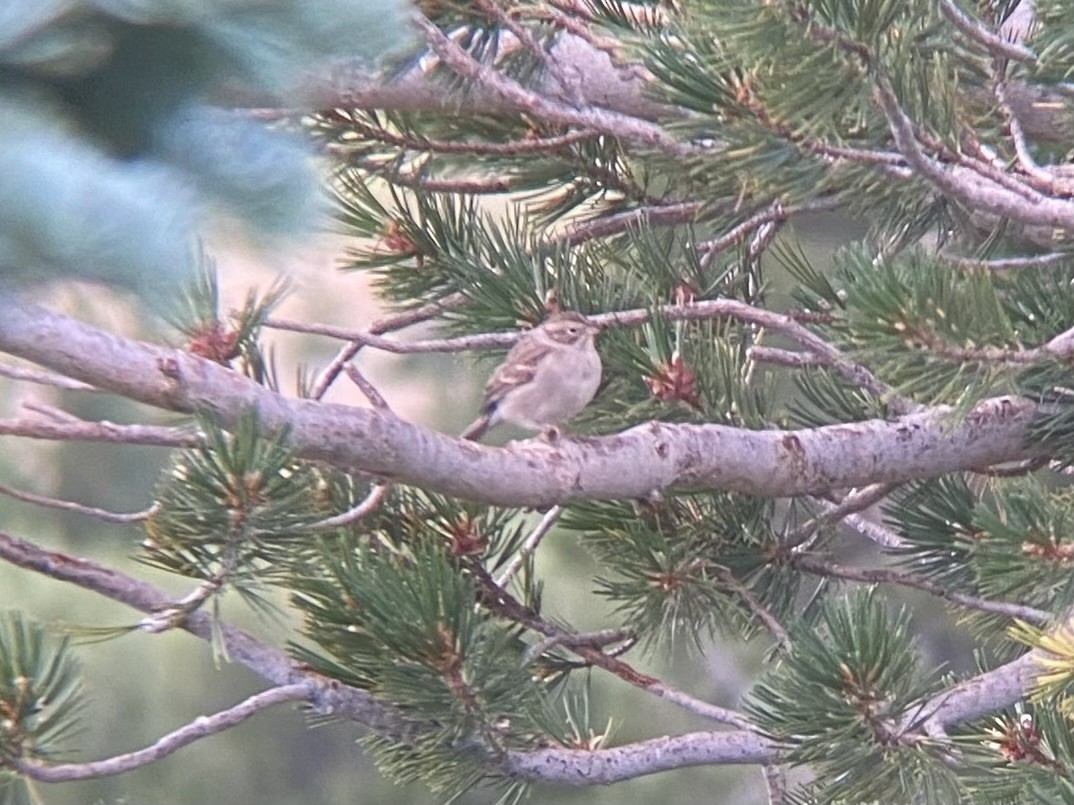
786 440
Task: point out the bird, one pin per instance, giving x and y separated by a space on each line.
549 375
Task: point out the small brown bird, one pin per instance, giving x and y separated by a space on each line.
551 374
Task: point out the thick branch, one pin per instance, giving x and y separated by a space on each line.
632 464
580 767
982 694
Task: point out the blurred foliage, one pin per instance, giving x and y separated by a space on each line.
112 156
40 699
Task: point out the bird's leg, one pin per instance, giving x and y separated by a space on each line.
551 434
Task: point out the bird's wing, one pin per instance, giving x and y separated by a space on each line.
518 367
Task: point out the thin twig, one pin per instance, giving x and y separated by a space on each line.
67 505
784 357
199 728
760 610
530 545
774 213
596 639
474 186
520 147
498 599
623 126
101 431
417 178
44 378
367 388
775 778
891 159
706 309
977 32
607 225
53 412
1017 470
820 567
1059 347
369 504
172 616
1005 263
397 322
1045 180
851 504
871 530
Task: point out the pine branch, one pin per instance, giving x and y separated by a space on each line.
966 701
857 374
585 767
390 324
325 694
102 431
821 567
632 464
979 695
964 184
67 505
501 601
977 32
543 107
201 727
43 378
536 145
331 696
1005 263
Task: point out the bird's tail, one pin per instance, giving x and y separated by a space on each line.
477 428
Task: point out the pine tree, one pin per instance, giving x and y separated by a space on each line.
785 441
